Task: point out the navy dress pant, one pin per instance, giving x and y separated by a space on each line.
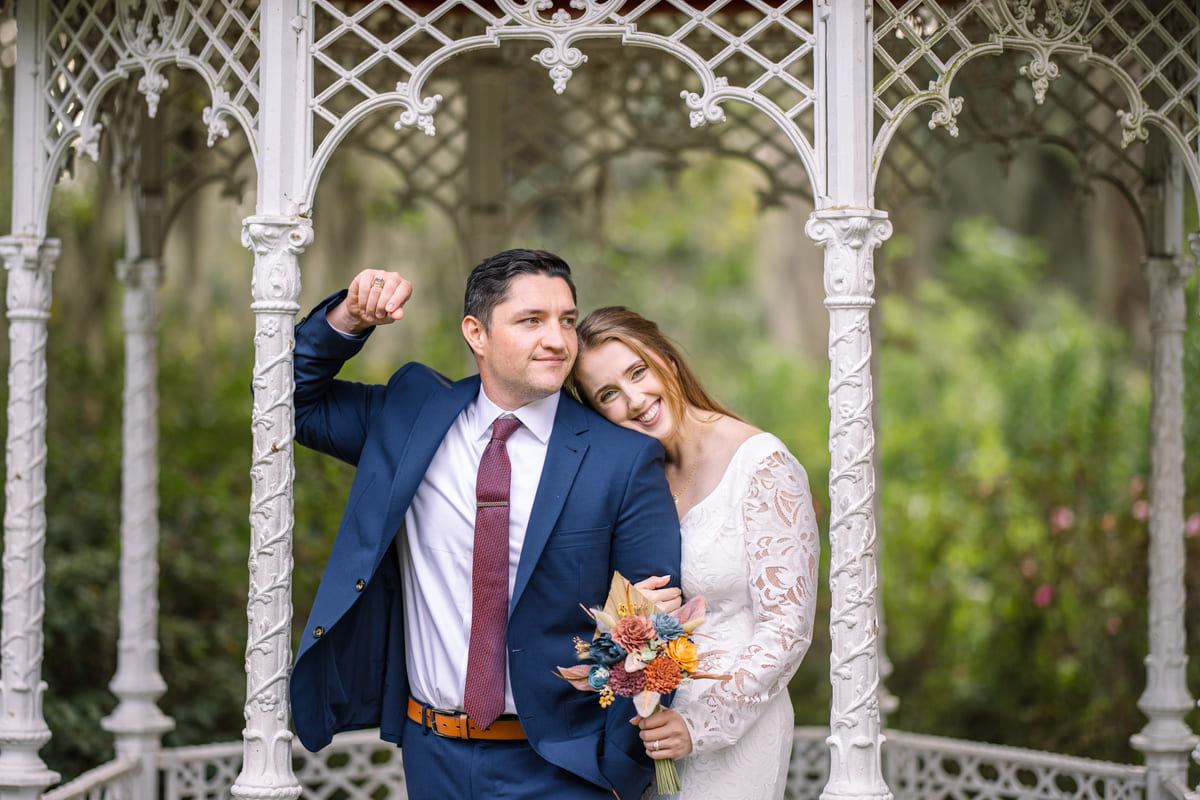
438 768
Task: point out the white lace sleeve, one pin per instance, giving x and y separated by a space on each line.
783 547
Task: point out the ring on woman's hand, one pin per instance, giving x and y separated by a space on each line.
656 745
377 281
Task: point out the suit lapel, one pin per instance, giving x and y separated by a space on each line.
564 454
434 418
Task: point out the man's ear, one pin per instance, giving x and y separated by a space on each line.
475 334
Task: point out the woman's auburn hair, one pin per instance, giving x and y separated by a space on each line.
656 349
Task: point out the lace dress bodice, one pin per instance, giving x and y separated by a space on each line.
751 548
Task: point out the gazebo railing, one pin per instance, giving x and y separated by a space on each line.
920 766
1176 789
356 766
359 765
111 781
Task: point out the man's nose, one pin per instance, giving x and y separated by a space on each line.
554 338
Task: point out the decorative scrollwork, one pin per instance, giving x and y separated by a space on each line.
418 113
562 60
88 142
216 116
946 111
1045 20
1040 71
147 27
704 108
152 85
533 12
1133 127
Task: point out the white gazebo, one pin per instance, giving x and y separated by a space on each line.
827 97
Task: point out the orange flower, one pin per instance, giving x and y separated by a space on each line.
662 675
683 652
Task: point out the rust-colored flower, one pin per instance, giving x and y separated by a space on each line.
626 684
633 633
662 675
683 652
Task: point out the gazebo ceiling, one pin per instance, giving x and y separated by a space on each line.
620 102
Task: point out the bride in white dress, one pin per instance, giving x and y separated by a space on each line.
750 548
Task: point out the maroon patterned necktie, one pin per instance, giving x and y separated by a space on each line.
483 698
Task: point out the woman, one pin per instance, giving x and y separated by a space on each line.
750 547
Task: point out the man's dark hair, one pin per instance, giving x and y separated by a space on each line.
488 284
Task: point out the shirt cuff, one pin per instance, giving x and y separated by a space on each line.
345 334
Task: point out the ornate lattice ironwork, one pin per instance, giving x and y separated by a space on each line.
111 781
355 765
919 767
380 54
1097 77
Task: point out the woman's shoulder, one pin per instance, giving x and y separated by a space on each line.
756 452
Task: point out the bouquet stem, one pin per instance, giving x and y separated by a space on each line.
666 777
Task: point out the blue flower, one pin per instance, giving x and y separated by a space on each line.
666 626
598 677
605 651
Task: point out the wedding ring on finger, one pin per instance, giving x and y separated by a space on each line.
656 745
377 281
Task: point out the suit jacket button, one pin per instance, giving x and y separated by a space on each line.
318 632
360 584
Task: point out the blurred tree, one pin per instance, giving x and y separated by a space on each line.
1015 435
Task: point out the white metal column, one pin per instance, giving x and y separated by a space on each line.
849 229
1166 739
29 260
137 723
276 236
29 263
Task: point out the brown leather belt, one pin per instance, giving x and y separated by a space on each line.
455 725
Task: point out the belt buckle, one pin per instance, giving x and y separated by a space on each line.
460 716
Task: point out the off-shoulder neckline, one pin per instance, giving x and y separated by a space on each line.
728 470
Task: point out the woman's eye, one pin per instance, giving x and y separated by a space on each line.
606 396
637 373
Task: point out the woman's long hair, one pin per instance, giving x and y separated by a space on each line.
662 357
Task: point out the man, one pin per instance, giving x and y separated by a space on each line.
399 634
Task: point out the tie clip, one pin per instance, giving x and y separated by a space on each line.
492 504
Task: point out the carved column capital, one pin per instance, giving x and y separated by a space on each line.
277 242
1167 276
139 273
29 262
849 236
1194 246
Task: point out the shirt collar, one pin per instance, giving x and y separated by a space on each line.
537 416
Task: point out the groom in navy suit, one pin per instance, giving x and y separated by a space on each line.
390 641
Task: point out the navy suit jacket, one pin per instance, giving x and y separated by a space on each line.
603 504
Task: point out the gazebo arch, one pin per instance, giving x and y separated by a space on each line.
290 73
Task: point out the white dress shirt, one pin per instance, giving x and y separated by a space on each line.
436 548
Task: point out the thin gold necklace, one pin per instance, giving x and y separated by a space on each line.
696 466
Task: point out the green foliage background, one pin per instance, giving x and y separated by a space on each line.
1013 439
